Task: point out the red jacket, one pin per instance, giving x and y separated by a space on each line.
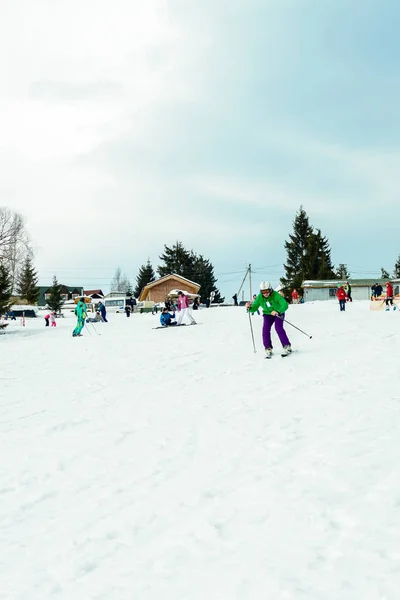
341 294
295 295
389 290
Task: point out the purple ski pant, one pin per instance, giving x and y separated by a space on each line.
269 320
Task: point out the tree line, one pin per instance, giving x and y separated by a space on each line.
174 259
308 256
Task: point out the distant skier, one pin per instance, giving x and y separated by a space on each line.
341 296
235 300
47 319
295 296
80 311
103 312
389 295
376 290
183 305
347 288
166 319
274 307
53 319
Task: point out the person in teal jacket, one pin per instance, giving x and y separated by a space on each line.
81 314
274 307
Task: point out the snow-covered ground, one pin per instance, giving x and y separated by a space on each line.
143 464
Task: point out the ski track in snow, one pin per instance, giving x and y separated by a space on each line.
147 465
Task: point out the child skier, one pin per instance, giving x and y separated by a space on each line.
53 319
341 296
389 295
274 307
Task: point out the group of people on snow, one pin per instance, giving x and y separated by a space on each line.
184 310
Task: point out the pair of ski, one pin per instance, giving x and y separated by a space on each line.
175 326
283 354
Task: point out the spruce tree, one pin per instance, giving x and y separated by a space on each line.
5 288
188 264
384 274
55 300
146 275
203 274
27 281
177 260
341 272
308 254
296 248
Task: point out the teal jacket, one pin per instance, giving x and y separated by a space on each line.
80 310
274 302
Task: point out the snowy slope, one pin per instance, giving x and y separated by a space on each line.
178 465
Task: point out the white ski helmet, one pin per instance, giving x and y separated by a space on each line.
265 285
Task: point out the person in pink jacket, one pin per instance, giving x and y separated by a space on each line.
184 310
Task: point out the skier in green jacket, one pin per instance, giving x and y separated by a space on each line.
274 307
81 314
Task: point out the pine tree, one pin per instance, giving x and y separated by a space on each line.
146 275
27 281
341 272
308 254
177 260
55 300
5 288
191 266
296 248
203 274
396 272
384 274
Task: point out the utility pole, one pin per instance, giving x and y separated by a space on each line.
249 271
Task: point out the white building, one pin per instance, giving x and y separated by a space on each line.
360 288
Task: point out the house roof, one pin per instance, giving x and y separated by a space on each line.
92 292
167 277
164 280
331 283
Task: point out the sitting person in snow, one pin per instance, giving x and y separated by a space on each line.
166 319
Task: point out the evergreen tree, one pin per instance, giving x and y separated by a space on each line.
308 254
296 248
146 275
27 282
341 272
203 274
191 266
384 274
5 288
55 300
396 272
177 260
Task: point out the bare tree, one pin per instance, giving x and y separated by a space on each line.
14 241
120 282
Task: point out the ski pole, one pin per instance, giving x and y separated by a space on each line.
252 334
282 319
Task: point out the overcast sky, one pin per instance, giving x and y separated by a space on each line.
128 125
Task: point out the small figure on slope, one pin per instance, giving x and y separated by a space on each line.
166 319
389 295
81 314
274 307
53 319
103 311
183 305
341 296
